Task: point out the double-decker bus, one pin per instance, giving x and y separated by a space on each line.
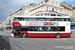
41 26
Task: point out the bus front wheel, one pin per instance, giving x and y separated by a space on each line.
24 35
57 35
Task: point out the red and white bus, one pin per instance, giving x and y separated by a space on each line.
41 26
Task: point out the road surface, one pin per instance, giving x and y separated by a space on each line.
9 43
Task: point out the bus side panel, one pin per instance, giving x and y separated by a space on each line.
45 34
41 34
65 34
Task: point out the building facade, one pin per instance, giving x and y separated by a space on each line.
45 8
73 18
1 24
8 21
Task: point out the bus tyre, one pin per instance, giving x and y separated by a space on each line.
57 35
24 35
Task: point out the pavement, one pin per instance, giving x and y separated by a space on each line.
3 44
9 43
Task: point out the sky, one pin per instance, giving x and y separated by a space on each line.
9 6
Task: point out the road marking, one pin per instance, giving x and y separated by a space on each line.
34 44
60 38
53 38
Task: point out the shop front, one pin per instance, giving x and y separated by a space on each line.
72 26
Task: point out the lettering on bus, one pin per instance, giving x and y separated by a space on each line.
16 25
35 23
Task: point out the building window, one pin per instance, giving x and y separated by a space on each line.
53 3
38 9
56 4
33 6
65 10
30 13
47 8
61 11
52 9
42 9
44 14
56 10
46 0
74 11
33 12
71 11
68 11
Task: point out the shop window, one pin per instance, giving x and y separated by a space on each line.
53 9
53 14
46 14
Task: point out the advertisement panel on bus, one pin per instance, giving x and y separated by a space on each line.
36 23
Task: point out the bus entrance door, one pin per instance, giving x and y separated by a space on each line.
17 30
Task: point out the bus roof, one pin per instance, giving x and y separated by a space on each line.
45 16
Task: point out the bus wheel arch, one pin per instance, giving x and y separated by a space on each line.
58 35
24 35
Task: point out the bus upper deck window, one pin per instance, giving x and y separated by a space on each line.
30 19
47 19
26 19
34 19
67 19
41 19
51 19
63 19
57 19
